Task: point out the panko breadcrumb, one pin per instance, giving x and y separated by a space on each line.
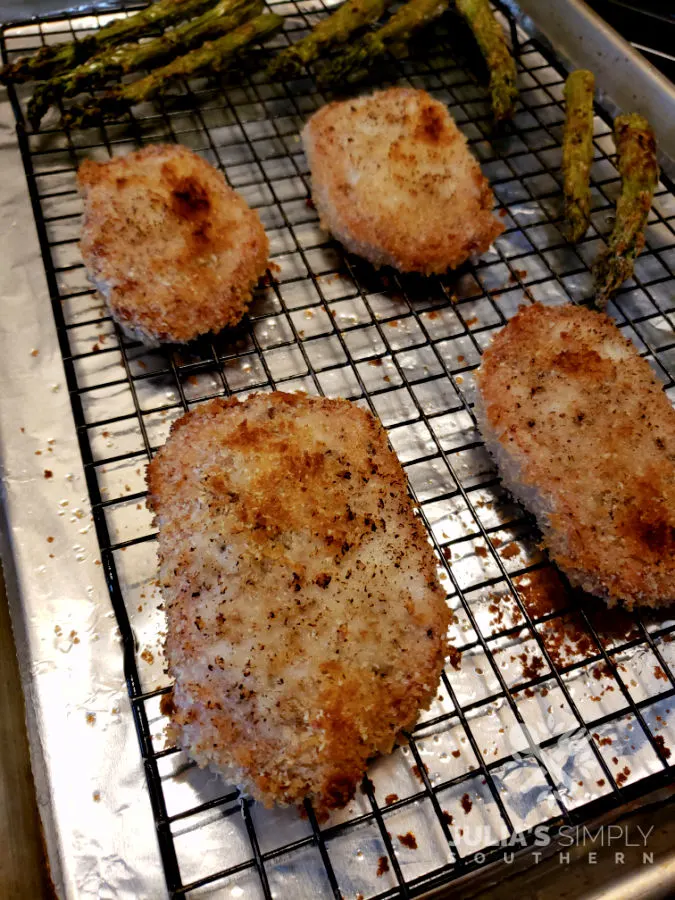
584 436
394 181
172 248
306 623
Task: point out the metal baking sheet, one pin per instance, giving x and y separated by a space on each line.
91 787
552 711
624 79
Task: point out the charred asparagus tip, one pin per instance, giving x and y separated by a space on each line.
117 61
213 56
57 58
636 148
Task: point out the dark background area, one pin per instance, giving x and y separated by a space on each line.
648 25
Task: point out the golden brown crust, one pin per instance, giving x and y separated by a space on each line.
580 424
306 624
394 180
173 249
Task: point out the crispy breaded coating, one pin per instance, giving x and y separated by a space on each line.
394 181
173 249
306 623
584 436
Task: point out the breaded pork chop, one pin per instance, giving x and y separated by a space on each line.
306 624
585 437
171 247
394 181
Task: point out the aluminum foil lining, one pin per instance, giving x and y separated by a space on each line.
91 787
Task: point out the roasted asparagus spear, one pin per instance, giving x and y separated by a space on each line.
578 152
353 63
336 29
213 56
56 58
118 61
492 42
636 147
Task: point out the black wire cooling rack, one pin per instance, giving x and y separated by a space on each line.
552 710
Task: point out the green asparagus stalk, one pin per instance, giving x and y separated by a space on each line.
636 147
57 58
353 63
578 152
118 61
490 36
336 29
213 56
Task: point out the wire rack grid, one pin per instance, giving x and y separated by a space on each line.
552 710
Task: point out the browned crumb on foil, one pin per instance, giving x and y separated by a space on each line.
542 592
622 777
408 840
532 666
660 742
568 640
166 705
455 658
418 774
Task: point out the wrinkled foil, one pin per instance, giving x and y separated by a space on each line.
91 788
